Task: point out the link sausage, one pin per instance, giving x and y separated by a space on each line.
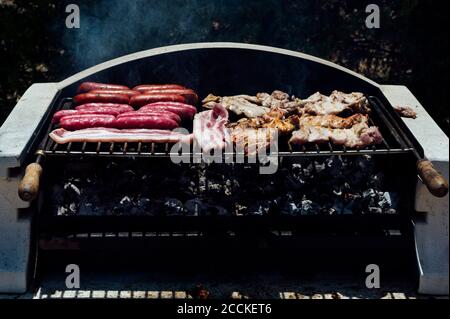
171 115
94 105
150 121
58 115
78 122
89 86
128 93
185 111
98 110
190 95
143 99
148 87
113 109
101 98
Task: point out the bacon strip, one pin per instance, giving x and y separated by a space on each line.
209 129
102 134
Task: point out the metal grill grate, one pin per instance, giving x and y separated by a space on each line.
392 143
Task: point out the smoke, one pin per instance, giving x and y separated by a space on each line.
112 28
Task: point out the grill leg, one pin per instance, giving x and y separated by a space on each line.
15 233
431 234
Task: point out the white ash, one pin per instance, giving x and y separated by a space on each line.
125 200
73 187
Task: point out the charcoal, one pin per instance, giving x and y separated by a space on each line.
123 207
385 200
73 208
319 167
370 193
376 180
239 209
157 208
88 209
173 207
144 204
334 166
260 208
269 190
375 210
62 211
328 211
291 209
214 187
326 186
308 207
57 194
216 210
228 187
292 181
71 192
195 207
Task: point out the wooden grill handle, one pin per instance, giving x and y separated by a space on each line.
29 186
435 182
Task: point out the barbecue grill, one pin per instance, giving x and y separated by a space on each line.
29 228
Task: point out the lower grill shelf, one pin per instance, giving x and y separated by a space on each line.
66 225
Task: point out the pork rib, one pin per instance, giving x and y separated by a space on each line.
358 136
332 121
337 102
239 104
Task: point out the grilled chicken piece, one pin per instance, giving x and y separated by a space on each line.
406 111
250 140
336 103
332 121
238 104
274 119
258 133
280 101
358 136
255 106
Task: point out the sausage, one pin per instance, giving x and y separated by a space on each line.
113 105
58 115
168 114
143 99
89 86
78 122
190 95
150 121
149 87
98 108
185 111
101 98
128 93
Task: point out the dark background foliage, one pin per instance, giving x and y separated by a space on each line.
410 48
